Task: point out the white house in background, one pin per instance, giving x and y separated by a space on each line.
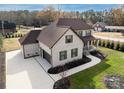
99 26
60 42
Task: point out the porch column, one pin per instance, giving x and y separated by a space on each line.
97 43
88 45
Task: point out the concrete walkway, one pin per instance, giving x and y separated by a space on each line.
32 72
72 71
109 38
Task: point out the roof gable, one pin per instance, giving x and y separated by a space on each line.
51 34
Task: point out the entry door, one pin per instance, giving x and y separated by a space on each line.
46 56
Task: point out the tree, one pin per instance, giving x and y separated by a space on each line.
108 44
112 45
122 47
118 46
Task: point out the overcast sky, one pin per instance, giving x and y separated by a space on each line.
64 7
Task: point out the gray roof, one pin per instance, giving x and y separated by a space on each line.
30 37
101 24
74 23
51 34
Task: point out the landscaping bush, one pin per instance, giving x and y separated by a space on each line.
122 47
103 43
62 84
58 69
118 46
112 45
108 44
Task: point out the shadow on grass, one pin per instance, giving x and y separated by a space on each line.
84 79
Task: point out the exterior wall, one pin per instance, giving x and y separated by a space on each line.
30 50
44 47
61 46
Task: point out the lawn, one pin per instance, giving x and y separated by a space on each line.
93 77
10 44
109 34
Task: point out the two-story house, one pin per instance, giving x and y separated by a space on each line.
60 42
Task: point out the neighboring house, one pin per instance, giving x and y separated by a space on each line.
7 27
115 28
60 42
99 26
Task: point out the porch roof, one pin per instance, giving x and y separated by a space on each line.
87 38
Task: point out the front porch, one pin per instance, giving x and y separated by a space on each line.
90 44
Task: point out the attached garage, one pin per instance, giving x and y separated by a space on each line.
30 50
29 43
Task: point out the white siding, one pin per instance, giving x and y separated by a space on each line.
44 47
31 49
61 46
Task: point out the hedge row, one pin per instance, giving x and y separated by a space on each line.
112 45
13 35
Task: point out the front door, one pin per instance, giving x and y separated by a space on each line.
46 56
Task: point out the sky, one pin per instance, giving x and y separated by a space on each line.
64 7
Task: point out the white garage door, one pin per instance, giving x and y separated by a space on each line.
31 50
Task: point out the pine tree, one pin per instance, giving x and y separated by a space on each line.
118 46
112 45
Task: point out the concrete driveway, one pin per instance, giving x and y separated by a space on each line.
25 73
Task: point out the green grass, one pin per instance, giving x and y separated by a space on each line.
93 77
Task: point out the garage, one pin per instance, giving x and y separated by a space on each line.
29 44
30 50
46 56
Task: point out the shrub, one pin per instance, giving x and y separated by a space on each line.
117 46
108 44
103 43
122 47
112 45
75 63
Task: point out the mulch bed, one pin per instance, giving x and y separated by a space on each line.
114 82
62 84
98 54
67 66
2 70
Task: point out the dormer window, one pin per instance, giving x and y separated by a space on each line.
68 39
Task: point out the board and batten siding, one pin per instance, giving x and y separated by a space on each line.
44 47
31 50
62 46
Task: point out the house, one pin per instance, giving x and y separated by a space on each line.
99 26
60 42
115 28
7 27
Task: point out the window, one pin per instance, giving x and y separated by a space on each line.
69 39
74 52
62 55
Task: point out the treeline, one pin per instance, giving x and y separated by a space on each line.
49 14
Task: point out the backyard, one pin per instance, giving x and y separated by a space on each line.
109 34
94 77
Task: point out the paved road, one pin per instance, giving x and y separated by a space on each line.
109 38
